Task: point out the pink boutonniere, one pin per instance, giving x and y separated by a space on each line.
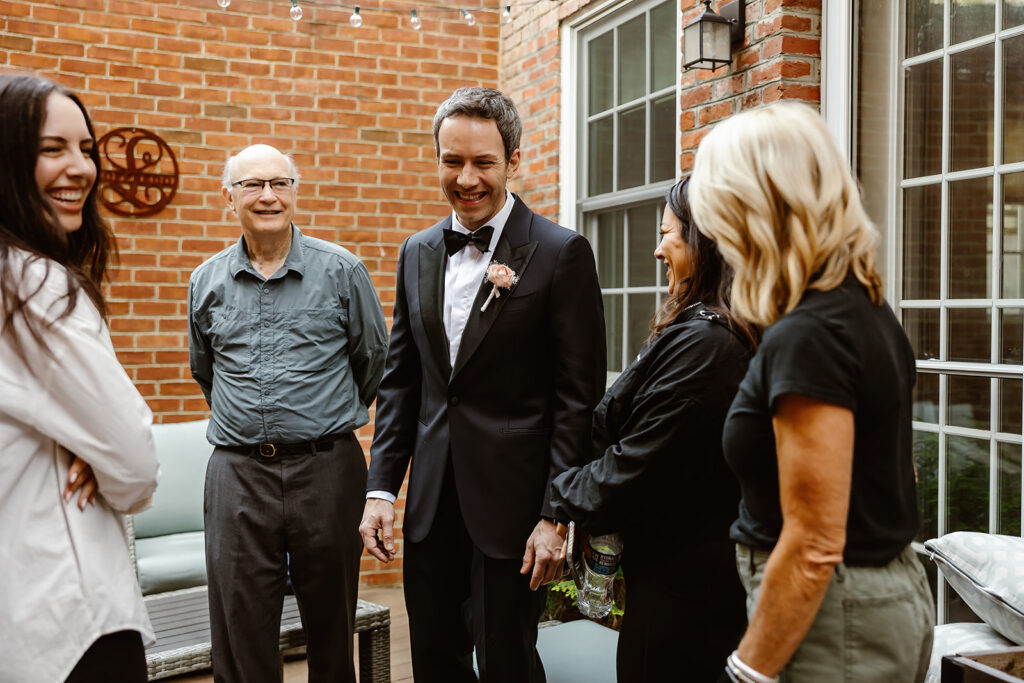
502 277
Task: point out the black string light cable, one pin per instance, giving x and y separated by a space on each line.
415 20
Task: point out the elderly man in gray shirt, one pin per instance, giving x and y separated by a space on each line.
287 341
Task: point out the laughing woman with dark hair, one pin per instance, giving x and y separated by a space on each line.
70 419
659 476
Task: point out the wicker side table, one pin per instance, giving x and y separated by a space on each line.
181 621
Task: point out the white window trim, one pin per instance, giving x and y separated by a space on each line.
568 166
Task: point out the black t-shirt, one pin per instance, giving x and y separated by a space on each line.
840 348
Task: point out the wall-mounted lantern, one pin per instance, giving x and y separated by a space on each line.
708 39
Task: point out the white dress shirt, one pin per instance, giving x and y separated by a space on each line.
464 272
66 577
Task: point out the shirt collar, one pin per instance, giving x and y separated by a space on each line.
497 221
295 261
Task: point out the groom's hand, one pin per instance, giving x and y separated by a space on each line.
545 553
379 516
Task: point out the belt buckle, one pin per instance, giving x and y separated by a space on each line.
267 450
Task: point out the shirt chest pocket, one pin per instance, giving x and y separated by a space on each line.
313 339
231 338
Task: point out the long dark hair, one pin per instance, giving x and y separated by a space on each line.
28 223
710 279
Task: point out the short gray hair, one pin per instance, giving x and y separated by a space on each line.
483 103
225 178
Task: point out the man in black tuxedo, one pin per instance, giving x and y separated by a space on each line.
488 398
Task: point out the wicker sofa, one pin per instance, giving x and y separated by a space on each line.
167 545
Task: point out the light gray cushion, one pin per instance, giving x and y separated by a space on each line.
169 563
575 652
987 571
578 651
183 452
951 639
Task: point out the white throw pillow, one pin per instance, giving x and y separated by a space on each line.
951 639
987 571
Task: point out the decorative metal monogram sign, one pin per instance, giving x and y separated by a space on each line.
139 173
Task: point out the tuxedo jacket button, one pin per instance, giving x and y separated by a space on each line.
453 400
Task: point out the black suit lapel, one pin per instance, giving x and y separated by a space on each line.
515 251
431 291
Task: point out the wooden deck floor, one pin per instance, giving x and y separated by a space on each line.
401 661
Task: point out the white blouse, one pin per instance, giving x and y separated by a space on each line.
65 574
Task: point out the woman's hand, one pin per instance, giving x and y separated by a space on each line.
82 480
814 441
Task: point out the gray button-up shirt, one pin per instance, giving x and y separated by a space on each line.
287 359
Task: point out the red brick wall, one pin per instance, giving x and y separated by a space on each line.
780 58
353 105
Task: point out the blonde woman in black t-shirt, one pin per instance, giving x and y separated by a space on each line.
819 434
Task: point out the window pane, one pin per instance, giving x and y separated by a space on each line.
922 127
599 165
972 18
1013 13
632 59
1013 236
664 45
924 26
969 334
632 124
641 310
613 331
1011 324
921 242
600 69
1013 97
1010 405
972 100
969 401
926 463
663 139
922 327
643 239
970 239
1008 488
926 397
966 484
610 238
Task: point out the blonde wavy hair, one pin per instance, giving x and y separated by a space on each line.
772 190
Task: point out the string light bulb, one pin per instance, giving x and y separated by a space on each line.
506 16
295 12
355 20
468 17
224 3
415 21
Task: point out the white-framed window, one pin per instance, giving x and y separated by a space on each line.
624 129
939 147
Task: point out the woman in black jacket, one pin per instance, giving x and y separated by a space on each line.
659 477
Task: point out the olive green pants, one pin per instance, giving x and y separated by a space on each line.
874 625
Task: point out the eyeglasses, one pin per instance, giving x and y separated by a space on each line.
255 185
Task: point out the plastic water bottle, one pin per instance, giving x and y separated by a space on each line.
601 555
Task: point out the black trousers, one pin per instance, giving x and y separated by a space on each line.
458 598
266 519
114 658
692 599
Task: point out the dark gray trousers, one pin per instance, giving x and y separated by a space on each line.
266 519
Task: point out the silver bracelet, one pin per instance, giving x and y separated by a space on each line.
746 673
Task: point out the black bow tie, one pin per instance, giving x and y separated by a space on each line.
454 240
